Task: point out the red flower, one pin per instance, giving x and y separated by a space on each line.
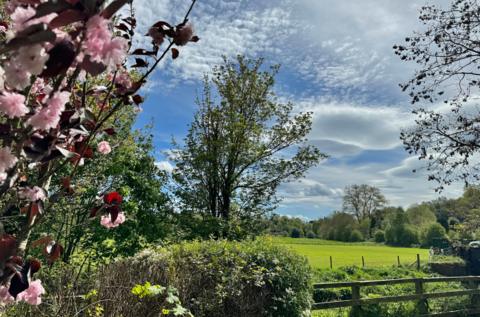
113 198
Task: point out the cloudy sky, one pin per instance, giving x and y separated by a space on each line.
337 61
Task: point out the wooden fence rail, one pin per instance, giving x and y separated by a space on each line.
420 296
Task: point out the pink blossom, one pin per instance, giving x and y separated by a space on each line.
124 80
20 17
184 34
32 194
15 75
100 45
13 104
32 59
49 116
32 294
106 220
5 297
104 147
7 159
3 177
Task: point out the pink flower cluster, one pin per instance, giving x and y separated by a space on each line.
13 104
32 194
7 161
49 116
32 295
106 220
104 147
100 44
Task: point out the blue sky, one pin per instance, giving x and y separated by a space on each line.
337 61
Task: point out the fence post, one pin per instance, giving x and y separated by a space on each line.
475 298
331 262
356 308
363 261
422 305
398 260
418 262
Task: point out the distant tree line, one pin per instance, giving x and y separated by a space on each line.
435 223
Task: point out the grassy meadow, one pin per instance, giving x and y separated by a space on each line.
319 251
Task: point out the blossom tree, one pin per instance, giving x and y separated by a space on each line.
54 115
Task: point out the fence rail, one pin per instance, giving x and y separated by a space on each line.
420 296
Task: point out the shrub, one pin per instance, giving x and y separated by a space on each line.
379 236
356 236
435 236
296 233
311 235
213 278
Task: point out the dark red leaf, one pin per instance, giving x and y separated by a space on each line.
113 198
113 8
109 131
137 99
195 39
67 17
8 245
61 56
93 68
175 53
140 63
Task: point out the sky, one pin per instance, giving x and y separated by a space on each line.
336 60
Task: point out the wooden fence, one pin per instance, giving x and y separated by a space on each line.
419 296
416 263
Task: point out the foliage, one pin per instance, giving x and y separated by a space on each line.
435 236
215 278
356 236
296 233
399 232
446 52
363 201
64 85
234 156
379 236
171 303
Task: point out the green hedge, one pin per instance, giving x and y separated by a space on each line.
213 278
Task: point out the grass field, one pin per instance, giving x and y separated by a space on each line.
319 251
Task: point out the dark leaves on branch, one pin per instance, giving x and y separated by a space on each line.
61 56
140 63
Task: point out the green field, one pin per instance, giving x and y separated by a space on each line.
319 251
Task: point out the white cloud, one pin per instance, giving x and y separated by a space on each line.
358 126
165 166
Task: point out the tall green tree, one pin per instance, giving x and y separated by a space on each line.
241 145
363 201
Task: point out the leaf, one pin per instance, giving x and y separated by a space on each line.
140 63
61 56
137 99
67 17
141 51
113 7
38 33
175 53
48 7
195 39
42 241
122 27
8 245
93 68
66 153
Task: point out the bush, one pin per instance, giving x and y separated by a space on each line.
404 236
213 278
296 233
356 236
435 236
311 235
379 236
